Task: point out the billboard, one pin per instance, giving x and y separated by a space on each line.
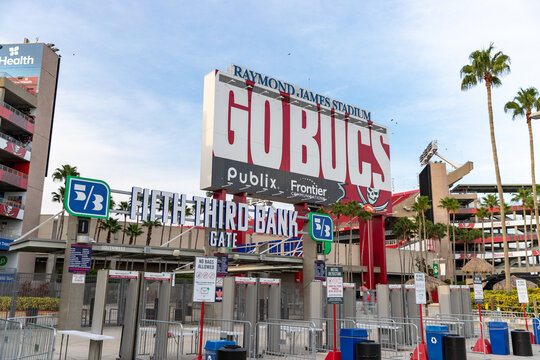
21 63
277 141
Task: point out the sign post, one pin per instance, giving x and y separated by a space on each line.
334 295
482 345
523 298
420 294
204 287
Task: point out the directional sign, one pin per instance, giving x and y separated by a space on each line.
523 296
87 197
334 285
321 227
478 290
420 288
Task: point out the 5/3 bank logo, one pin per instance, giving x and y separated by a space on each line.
321 227
87 197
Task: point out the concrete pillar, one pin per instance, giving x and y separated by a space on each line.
160 349
445 308
227 303
310 255
128 341
349 302
98 316
71 296
251 308
383 301
51 264
274 312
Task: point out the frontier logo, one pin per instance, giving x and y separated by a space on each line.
20 60
308 188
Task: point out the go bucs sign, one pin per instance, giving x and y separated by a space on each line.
334 285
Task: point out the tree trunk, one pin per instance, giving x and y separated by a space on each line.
533 177
483 241
149 236
108 236
526 240
162 232
508 284
449 244
426 249
454 246
421 267
124 232
349 265
492 246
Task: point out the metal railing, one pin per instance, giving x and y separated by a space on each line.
325 332
17 112
284 340
23 340
13 171
43 320
16 142
160 340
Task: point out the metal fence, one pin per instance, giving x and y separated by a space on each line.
160 340
285 340
23 340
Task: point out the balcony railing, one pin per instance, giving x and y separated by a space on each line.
27 146
17 112
9 77
13 177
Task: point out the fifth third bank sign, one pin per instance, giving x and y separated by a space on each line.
267 137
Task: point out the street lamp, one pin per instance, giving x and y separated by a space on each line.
535 115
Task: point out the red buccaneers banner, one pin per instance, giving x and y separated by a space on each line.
277 141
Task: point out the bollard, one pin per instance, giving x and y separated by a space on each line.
368 349
454 347
231 352
521 343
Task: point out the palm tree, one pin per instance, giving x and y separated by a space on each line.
58 196
124 206
403 229
483 213
352 210
446 203
112 226
522 105
521 197
150 224
133 230
337 209
60 175
485 67
438 231
490 201
420 206
454 206
99 222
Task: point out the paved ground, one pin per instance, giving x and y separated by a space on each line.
78 349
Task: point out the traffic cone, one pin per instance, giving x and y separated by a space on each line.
481 345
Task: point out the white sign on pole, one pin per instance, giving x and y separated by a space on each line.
78 278
442 269
523 296
204 282
420 288
478 290
334 285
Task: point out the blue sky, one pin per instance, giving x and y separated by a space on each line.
129 106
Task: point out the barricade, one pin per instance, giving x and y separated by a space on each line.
10 333
285 340
398 339
44 320
37 342
324 333
239 331
149 344
23 340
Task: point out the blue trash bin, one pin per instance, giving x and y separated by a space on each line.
536 327
499 338
348 339
434 339
212 346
